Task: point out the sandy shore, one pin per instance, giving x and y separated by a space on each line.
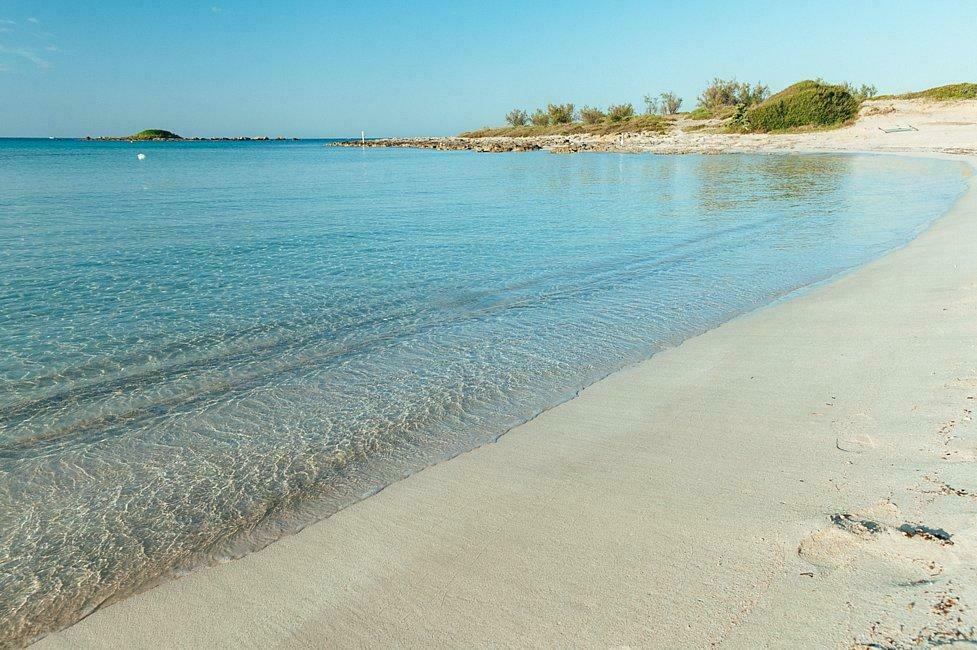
788 479
941 127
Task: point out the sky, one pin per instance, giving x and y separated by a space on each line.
324 69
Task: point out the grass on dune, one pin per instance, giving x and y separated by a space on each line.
653 123
806 104
950 92
703 113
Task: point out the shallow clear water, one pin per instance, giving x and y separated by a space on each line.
227 341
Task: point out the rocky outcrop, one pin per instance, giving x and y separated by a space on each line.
482 145
623 143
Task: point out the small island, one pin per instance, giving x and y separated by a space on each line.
154 134
162 135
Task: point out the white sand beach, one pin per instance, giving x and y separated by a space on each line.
802 476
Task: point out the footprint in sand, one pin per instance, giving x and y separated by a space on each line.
852 433
880 544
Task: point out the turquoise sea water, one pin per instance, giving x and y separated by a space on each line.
217 345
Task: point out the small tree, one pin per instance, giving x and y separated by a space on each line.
719 94
590 115
750 96
620 112
728 93
652 107
862 92
560 113
540 118
670 103
517 117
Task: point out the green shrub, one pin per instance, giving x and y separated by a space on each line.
517 117
700 113
739 120
590 115
560 113
619 112
805 104
540 118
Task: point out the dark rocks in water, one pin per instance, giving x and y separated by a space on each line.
481 145
497 144
502 147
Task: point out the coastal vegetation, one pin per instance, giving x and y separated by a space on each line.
517 117
602 126
739 107
669 103
723 97
540 118
564 119
619 112
742 106
591 115
950 92
560 113
861 93
666 103
804 104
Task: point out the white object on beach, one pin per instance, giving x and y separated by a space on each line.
141 156
899 128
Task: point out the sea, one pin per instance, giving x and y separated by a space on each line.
211 347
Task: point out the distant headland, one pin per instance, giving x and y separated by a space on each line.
162 135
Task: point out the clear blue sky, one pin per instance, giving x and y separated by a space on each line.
231 67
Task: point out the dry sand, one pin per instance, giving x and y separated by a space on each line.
746 488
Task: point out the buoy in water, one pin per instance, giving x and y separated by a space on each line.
140 156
